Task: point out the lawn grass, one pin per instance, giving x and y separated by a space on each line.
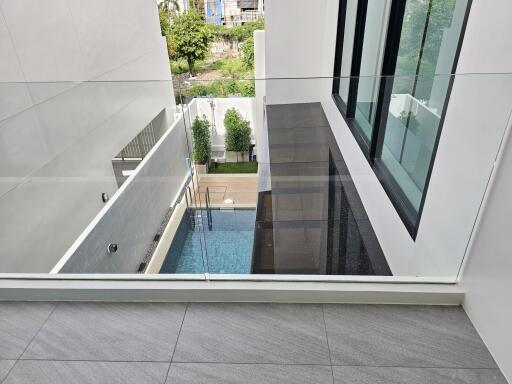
250 167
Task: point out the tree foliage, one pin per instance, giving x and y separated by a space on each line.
248 53
238 131
238 33
165 24
202 147
415 59
245 31
165 12
191 37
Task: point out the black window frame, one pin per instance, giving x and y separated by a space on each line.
372 151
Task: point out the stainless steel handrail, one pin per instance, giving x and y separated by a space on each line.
208 209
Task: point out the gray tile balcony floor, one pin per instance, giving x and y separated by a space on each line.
240 343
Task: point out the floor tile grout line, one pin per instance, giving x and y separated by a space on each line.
9 371
176 344
30 342
175 362
258 363
20 357
327 340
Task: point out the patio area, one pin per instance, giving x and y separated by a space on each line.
241 189
240 343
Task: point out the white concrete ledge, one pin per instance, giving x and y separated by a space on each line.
228 291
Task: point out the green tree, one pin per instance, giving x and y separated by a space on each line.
238 131
202 147
165 12
191 37
165 24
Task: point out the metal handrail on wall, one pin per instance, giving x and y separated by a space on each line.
208 209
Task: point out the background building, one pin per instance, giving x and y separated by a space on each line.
233 12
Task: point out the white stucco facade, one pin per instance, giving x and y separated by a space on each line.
71 97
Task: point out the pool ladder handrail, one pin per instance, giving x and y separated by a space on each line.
208 209
188 195
189 200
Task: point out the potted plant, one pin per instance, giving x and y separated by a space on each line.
202 147
238 136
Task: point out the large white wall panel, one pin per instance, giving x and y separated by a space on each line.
295 42
486 276
58 129
14 96
45 40
9 65
112 33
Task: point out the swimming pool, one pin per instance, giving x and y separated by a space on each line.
227 245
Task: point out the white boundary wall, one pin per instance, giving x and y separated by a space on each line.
245 105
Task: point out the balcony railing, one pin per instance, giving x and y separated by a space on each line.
318 208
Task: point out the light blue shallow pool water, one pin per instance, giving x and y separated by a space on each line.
226 248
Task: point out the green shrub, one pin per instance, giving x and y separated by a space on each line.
238 131
178 67
243 32
233 68
201 140
248 53
222 88
238 33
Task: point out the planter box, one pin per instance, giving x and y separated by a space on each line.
201 169
236 157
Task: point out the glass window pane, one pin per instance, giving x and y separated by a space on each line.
348 47
428 45
371 64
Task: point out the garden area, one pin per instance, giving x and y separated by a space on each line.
207 59
237 145
228 168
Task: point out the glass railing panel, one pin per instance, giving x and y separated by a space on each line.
84 184
226 174
207 179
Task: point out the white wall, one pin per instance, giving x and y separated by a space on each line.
295 38
58 133
486 275
136 215
245 105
